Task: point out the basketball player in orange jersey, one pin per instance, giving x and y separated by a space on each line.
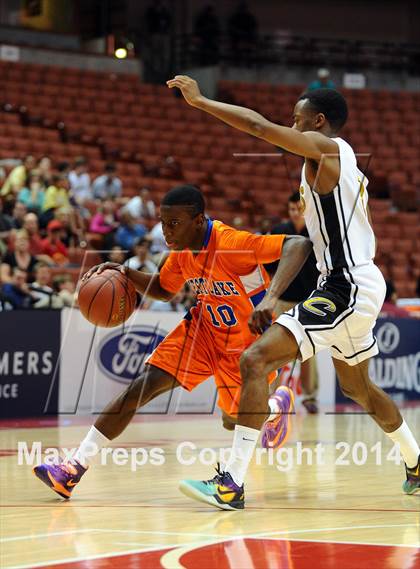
224 267
341 313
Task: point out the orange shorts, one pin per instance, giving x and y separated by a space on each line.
188 353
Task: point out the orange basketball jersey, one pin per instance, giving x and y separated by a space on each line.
228 278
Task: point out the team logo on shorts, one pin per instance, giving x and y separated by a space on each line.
317 303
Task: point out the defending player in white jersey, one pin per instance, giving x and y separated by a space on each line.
340 314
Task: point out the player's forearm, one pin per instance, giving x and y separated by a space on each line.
296 250
241 118
148 284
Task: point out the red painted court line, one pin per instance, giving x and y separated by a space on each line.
266 554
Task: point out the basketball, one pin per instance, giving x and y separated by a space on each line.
107 299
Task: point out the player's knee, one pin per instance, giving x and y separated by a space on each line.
252 363
360 396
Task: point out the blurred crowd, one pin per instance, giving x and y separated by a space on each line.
50 214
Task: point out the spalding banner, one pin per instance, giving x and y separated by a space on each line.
29 370
396 368
97 363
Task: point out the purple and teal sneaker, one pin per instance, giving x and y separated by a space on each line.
61 478
412 484
276 431
221 491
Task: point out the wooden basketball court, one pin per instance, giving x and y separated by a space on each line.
325 516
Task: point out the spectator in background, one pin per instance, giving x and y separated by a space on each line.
129 231
6 227
31 226
104 221
56 197
73 233
243 32
207 31
20 257
141 207
17 292
64 287
45 170
17 177
63 168
108 185
323 81
298 290
170 168
33 194
158 240
116 255
52 244
390 308
42 293
18 214
79 180
141 260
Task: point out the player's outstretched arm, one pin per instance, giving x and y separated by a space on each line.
296 250
309 144
145 283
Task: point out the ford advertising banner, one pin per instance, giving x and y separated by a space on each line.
29 370
396 368
97 363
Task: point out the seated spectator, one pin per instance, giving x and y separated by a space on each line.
105 220
158 240
17 292
31 226
42 293
17 177
63 285
170 168
33 194
79 180
57 195
141 260
390 307
107 186
18 214
73 232
141 207
128 232
52 244
323 81
45 170
63 168
116 255
20 257
6 226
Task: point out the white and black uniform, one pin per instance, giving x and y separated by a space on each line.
341 313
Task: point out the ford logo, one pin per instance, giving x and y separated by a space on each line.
388 337
121 356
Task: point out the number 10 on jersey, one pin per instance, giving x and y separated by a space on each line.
222 315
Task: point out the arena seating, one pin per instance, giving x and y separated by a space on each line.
65 112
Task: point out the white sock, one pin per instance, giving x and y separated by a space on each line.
90 446
244 441
409 448
274 408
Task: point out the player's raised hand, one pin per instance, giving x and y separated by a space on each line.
98 269
188 87
262 316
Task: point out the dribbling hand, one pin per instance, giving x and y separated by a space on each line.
98 269
188 87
